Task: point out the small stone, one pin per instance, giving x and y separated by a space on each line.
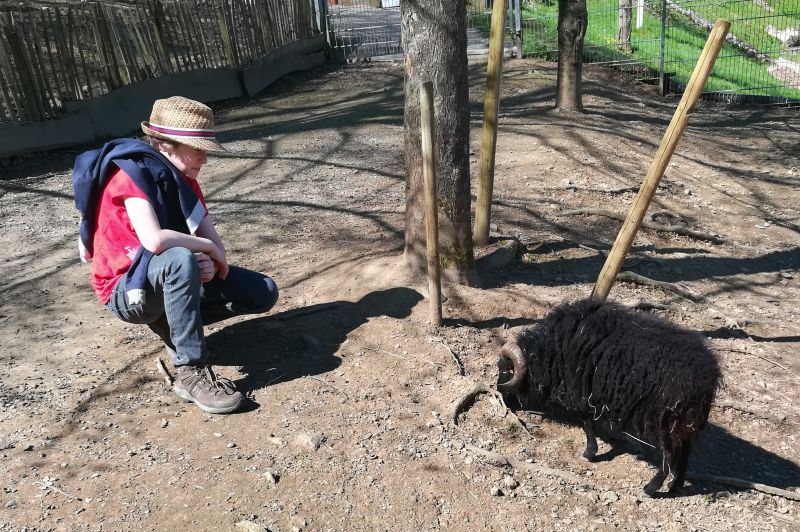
28 447
610 496
271 477
250 526
11 504
218 434
231 445
496 491
510 482
164 422
309 440
64 464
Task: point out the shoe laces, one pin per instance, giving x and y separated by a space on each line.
220 383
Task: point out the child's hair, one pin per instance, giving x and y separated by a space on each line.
159 143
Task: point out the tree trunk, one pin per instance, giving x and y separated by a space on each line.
434 37
624 21
572 20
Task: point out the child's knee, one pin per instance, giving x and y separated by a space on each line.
267 295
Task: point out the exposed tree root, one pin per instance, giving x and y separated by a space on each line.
677 229
671 287
467 399
739 483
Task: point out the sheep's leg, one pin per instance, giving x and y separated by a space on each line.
591 440
678 466
658 479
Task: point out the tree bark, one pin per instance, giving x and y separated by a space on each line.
624 23
434 37
572 21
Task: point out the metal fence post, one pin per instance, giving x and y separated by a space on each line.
662 77
518 28
322 19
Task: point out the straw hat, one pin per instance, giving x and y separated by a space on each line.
185 121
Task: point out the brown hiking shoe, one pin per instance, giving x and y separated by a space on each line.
201 386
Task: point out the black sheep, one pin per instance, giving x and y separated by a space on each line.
620 371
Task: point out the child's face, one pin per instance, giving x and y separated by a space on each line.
187 159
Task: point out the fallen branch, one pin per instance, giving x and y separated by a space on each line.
765 359
164 372
410 359
47 485
671 287
746 484
501 460
455 358
477 390
742 408
648 305
328 384
677 229
300 313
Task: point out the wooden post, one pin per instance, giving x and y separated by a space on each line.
491 108
431 212
668 144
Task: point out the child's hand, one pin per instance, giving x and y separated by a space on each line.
220 262
207 267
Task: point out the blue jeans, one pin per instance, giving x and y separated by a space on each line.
176 308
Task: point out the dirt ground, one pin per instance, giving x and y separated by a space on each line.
351 390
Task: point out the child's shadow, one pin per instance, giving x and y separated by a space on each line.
282 347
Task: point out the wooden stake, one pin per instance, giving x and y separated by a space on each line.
431 213
491 108
668 144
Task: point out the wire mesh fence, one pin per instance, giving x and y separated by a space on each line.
657 40
361 29
364 29
662 39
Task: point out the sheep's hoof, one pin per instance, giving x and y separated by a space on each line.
651 487
650 491
675 485
589 456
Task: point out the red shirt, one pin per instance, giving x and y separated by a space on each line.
115 241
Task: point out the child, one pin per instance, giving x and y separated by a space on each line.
156 257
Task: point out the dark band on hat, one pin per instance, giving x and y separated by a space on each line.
196 133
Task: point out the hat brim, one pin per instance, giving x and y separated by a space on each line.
201 143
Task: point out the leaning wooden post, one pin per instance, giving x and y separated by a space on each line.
491 108
431 213
668 144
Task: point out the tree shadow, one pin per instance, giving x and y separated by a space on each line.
301 342
560 270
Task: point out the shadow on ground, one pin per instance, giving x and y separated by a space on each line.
304 341
717 452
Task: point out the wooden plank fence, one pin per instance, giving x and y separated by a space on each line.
55 52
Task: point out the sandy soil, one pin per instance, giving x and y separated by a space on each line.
348 427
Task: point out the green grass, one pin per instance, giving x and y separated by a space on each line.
733 70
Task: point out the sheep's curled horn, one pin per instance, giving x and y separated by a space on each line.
511 351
